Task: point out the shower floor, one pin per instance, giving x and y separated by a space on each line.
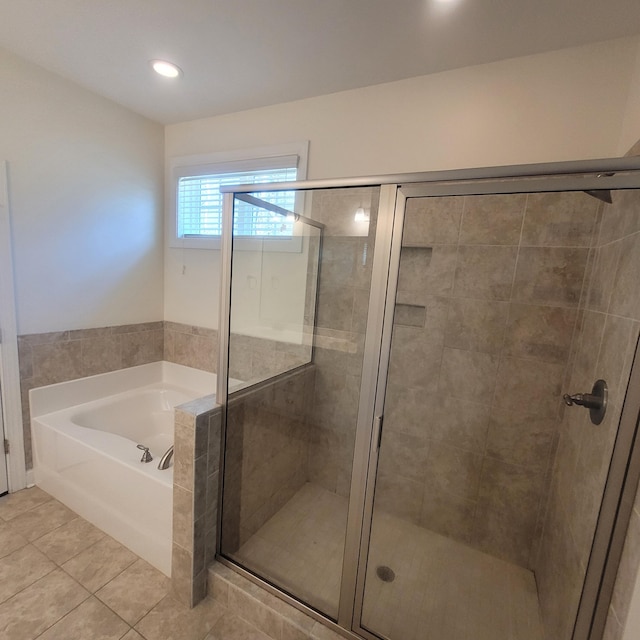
442 589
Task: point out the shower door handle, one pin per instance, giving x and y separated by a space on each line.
379 421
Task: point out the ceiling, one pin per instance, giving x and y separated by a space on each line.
241 54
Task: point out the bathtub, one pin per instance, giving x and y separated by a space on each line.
84 436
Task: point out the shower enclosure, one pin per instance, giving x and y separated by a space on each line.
399 461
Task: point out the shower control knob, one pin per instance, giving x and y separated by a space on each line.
146 455
596 401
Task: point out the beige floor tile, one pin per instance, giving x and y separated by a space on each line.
40 605
170 620
230 627
132 635
22 568
134 592
100 563
10 540
14 504
91 621
69 540
42 519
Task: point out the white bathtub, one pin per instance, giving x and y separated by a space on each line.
85 434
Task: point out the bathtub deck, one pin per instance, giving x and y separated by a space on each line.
443 590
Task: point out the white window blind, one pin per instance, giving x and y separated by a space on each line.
199 201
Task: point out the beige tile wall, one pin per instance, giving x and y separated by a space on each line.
343 298
475 380
605 339
266 452
48 358
191 346
195 497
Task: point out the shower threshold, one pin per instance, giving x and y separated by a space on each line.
441 589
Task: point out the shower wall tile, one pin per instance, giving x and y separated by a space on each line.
468 374
435 311
508 506
622 217
457 421
432 221
528 388
525 442
485 272
476 325
604 342
435 278
417 360
448 514
492 219
405 455
499 363
453 471
550 275
539 333
335 307
625 300
603 277
267 453
560 220
414 262
399 496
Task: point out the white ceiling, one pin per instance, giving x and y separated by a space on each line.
240 54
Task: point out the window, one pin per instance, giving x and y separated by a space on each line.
196 215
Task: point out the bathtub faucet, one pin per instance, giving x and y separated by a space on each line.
146 456
166 459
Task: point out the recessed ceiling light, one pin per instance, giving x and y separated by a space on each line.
166 69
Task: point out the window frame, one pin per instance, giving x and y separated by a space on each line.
230 161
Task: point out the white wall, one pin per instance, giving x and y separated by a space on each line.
85 187
631 122
564 105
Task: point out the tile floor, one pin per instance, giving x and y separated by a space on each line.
63 579
443 590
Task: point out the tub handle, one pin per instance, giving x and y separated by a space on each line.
146 455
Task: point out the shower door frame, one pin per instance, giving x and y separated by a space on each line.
622 479
395 190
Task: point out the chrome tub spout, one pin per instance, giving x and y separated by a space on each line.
166 459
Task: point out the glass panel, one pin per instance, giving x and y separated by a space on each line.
298 319
475 532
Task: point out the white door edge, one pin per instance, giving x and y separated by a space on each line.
9 364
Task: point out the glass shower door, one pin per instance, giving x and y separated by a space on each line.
487 301
298 320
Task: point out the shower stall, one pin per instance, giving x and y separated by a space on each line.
398 458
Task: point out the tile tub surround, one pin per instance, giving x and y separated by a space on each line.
475 380
603 345
49 358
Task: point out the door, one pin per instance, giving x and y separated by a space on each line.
4 482
484 489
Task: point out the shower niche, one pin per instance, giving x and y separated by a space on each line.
399 460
